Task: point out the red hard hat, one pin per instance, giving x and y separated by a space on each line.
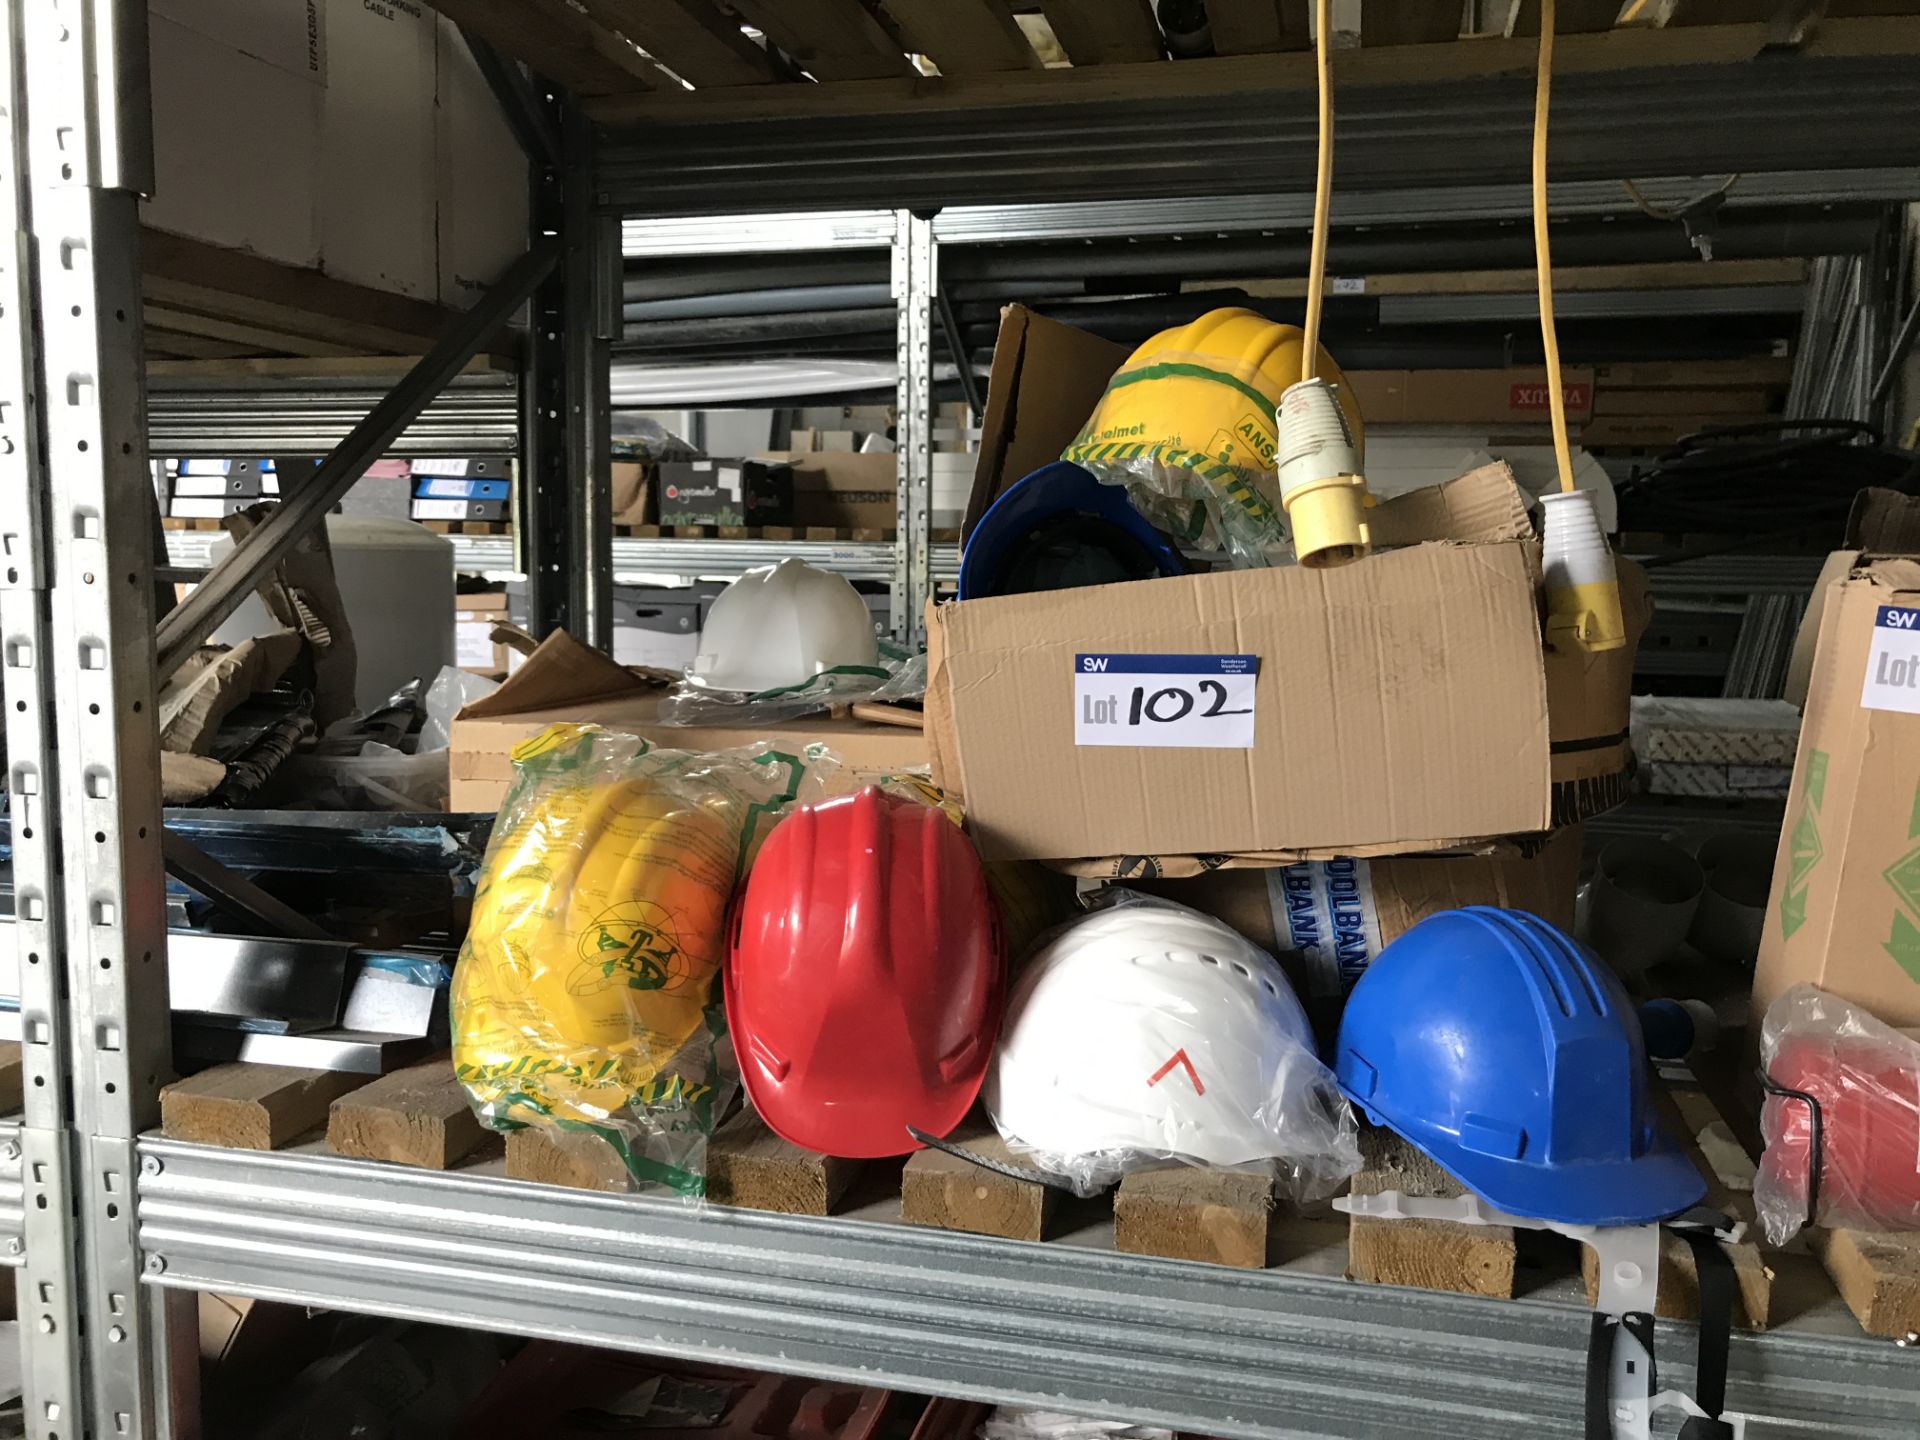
866 977
1870 1128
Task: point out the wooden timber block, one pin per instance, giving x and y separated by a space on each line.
11 1082
577 1159
751 1167
1685 1113
1878 1275
777 532
819 532
949 1193
417 1116
252 1107
1185 1213
1430 1254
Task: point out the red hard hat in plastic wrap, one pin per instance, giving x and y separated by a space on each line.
1869 1097
866 978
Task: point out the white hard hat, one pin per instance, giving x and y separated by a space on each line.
1144 1030
782 625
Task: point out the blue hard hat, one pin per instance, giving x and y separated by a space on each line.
1059 528
1511 1055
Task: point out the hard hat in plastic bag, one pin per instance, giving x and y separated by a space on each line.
866 976
783 625
1509 1053
1147 1031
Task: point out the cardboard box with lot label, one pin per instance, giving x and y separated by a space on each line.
1400 704
1844 911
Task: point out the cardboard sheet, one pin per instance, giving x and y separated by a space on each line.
564 680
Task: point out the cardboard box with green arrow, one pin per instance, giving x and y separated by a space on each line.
1844 913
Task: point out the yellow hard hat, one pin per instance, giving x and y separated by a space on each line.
598 926
1208 389
1201 397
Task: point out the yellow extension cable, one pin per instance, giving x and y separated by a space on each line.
1542 259
1322 190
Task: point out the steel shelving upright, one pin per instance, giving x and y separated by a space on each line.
113 1228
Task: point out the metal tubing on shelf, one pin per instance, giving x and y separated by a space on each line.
233 892
235 577
915 285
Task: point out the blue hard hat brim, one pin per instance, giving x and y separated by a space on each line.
1055 489
1655 1185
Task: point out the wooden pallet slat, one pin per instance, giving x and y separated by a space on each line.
963 37
252 1107
163 321
751 1167
1105 32
558 42
1878 1275
1182 1212
951 1193
831 39
1429 1254
1258 27
689 37
418 1116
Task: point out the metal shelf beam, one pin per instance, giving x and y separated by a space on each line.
1238 1353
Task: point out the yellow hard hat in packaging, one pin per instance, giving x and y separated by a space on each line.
1187 426
584 997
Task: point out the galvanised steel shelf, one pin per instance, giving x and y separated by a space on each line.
1069 1324
637 559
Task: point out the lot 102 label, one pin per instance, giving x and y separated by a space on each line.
1171 701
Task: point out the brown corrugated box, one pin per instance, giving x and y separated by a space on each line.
566 681
1402 704
1326 920
1882 522
1844 910
1467 397
841 490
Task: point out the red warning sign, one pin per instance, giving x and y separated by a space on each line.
1179 1057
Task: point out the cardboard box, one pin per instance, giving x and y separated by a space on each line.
632 493
1844 910
1467 397
1326 920
474 617
565 680
844 491
1400 705
1882 522
725 492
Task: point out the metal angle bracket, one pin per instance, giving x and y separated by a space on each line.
915 294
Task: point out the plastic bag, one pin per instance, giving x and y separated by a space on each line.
1012 1423
584 998
899 676
1856 1084
1147 1031
452 691
1207 480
